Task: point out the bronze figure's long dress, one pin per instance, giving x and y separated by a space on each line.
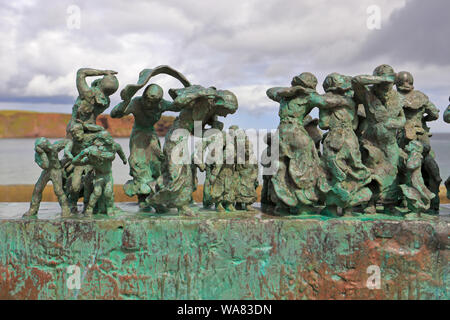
295 182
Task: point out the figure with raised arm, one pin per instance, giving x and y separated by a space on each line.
378 141
94 99
46 156
296 181
199 107
348 176
146 156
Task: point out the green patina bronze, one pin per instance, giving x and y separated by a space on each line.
418 111
46 156
348 176
295 185
378 133
324 189
100 156
146 156
366 158
231 170
447 119
200 106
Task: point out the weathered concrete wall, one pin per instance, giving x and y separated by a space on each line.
228 256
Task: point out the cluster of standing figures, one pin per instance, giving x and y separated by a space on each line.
375 151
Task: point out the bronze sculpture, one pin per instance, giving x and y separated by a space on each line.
379 147
348 176
146 156
46 156
375 149
447 119
100 156
200 106
295 183
418 111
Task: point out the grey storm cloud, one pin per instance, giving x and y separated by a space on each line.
416 33
245 46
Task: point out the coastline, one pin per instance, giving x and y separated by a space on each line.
22 193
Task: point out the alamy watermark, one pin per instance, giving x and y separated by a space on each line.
233 146
374 17
374 280
73 20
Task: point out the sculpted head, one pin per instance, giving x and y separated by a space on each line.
103 138
305 79
77 131
153 94
108 84
338 83
404 82
42 143
384 70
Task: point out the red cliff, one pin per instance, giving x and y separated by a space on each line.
28 124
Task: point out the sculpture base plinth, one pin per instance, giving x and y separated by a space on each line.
238 255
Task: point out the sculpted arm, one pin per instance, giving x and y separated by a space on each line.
82 86
330 101
359 84
397 122
432 112
447 115
68 149
41 158
170 106
120 152
124 108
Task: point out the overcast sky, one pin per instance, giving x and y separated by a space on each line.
240 45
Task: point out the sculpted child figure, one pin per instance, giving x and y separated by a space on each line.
245 171
417 196
221 179
78 175
46 156
100 156
418 111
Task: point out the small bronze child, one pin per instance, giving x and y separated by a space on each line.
417 196
100 156
46 157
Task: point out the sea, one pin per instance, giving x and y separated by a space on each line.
17 160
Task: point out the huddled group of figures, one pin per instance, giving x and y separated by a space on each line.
375 151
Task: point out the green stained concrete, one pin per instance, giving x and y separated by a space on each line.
221 256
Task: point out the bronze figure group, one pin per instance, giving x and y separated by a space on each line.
371 153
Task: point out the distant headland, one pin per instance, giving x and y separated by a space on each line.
29 124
